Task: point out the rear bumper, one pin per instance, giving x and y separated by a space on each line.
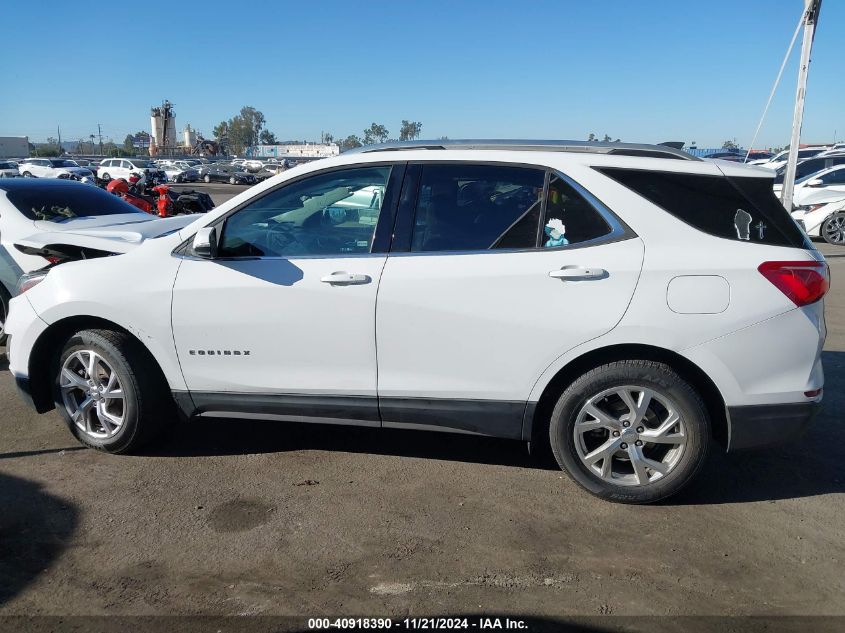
760 426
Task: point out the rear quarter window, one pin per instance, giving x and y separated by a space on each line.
741 209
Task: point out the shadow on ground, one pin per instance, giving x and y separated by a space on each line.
809 466
34 530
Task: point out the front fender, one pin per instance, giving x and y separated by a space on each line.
114 289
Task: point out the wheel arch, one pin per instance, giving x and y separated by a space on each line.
47 346
537 419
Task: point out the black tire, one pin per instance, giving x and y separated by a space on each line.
833 229
232 181
147 405
5 297
666 383
207 179
106 177
26 174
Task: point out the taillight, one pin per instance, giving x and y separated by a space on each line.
803 282
52 259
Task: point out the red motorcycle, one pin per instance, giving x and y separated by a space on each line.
161 204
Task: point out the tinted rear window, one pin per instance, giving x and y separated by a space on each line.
465 207
56 203
741 209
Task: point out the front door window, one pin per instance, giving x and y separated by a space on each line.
335 213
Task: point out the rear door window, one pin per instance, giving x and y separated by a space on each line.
466 207
742 209
569 217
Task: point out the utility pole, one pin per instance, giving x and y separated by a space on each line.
811 19
100 134
59 130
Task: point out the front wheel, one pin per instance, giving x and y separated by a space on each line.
833 229
110 391
232 180
106 177
26 174
630 431
207 179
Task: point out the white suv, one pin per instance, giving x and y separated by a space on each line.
122 168
51 168
628 304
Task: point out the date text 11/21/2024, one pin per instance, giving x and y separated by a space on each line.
431 624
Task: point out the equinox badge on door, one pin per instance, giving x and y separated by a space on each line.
225 352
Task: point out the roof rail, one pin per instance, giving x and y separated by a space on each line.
619 149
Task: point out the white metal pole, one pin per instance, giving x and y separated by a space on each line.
811 17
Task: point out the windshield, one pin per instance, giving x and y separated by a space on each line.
63 163
141 164
61 203
809 176
4 165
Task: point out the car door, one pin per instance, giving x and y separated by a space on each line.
479 296
281 323
40 168
834 180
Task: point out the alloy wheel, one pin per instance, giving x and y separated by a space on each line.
92 394
629 435
834 229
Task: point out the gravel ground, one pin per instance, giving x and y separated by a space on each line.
239 517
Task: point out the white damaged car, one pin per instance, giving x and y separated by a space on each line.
44 222
824 219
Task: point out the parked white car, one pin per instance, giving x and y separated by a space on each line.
122 168
9 169
44 222
51 168
779 159
823 185
180 173
825 219
552 293
252 165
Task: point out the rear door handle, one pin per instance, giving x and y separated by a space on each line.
343 278
578 272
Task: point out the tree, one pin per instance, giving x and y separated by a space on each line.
606 139
410 130
129 144
376 133
350 142
267 138
221 131
328 137
730 145
591 137
242 130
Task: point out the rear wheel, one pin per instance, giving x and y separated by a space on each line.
232 180
106 177
833 229
630 431
207 179
110 392
26 174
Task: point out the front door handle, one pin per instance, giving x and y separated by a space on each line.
578 272
343 278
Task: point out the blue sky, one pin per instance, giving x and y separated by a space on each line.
641 70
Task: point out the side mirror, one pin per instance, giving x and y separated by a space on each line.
815 182
205 242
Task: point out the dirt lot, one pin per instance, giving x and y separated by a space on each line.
262 518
